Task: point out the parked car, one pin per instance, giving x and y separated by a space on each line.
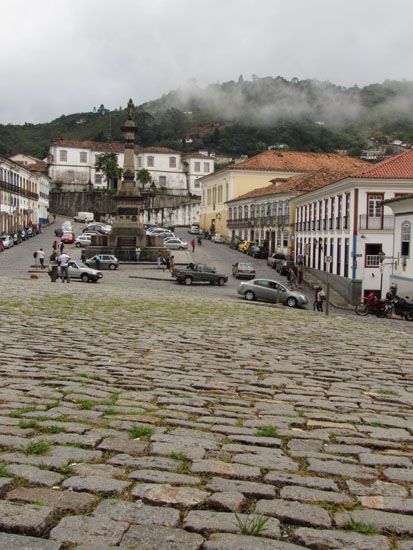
16 238
29 232
83 217
217 238
58 231
78 270
194 229
105 261
275 258
83 240
146 226
272 291
235 242
284 266
244 246
174 243
257 251
7 241
23 234
169 226
243 270
99 228
160 233
68 237
194 273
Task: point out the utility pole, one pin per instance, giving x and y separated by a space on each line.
328 260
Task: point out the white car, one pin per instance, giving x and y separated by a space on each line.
175 244
217 238
7 241
79 270
83 240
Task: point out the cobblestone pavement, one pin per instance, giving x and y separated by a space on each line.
137 420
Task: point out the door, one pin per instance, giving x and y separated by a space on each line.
263 291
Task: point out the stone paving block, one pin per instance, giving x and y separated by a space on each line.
146 537
207 522
280 462
123 445
338 540
34 475
383 488
305 494
247 488
182 497
228 501
28 519
167 449
370 459
294 512
226 469
70 501
105 470
389 504
338 469
153 462
88 530
281 479
399 474
19 542
153 476
5 484
12 442
405 544
96 484
399 524
137 512
227 541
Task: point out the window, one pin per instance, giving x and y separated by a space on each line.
331 254
139 162
98 178
374 207
197 167
63 155
206 166
83 156
150 162
346 256
338 262
405 240
285 238
197 184
172 162
372 255
162 180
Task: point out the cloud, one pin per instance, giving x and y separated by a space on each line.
64 56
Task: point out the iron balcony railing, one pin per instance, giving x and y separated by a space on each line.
377 223
16 190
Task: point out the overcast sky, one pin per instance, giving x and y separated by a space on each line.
64 56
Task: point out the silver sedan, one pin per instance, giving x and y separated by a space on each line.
272 291
174 243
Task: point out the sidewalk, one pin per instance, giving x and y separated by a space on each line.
336 299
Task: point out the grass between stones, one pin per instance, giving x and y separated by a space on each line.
361 527
252 525
267 431
141 432
39 447
388 392
3 470
186 463
28 424
18 413
87 404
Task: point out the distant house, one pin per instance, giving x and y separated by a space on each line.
197 165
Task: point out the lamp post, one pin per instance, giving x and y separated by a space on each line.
382 255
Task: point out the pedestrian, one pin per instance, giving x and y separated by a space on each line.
40 255
53 267
97 260
158 261
138 253
193 245
300 259
61 247
54 247
321 296
54 217
171 262
35 258
300 270
83 256
63 261
168 263
199 240
291 277
163 261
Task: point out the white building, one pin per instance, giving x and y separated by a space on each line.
72 165
342 227
402 267
24 194
196 166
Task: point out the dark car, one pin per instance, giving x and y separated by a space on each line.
58 231
284 266
194 273
243 270
169 226
257 251
275 259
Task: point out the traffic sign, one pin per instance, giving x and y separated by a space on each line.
381 267
328 259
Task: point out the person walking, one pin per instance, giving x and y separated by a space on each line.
193 245
291 278
168 263
199 240
97 260
171 262
53 267
321 296
54 247
158 261
300 270
137 254
61 247
64 260
40 255
83 256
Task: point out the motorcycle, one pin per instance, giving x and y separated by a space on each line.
400 306
372 304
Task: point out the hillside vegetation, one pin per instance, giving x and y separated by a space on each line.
245 116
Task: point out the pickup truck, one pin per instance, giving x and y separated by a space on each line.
194 273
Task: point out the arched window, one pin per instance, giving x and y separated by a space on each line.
235 212
230 213
405 239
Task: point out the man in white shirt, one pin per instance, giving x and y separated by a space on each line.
64 260
40 255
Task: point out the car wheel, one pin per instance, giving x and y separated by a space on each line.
291 302
180 248
112 266
221 281
188 280
409 316
85 278
249 295
78 245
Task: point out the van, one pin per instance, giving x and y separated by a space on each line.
83 217
194 229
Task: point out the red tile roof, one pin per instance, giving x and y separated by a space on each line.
398 167
111 147
296 185
295 161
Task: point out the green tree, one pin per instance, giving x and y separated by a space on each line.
144 177
108 164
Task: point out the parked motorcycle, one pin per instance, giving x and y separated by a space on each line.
400 306
372 304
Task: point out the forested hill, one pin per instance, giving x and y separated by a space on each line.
241 117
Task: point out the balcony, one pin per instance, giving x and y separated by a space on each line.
376 223
16 190
346 222
282 219
338 222
239 222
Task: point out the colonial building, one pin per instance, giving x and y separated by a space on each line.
72 166
402 265
20 201
256 172
197 165
343 228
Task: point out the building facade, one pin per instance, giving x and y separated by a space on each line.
344 229
72 166
196 166
256 172
402 266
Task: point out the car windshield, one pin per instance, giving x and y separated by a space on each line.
245 266
78 263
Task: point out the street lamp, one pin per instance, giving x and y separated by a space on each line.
382 255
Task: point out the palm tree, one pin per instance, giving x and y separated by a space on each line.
108 164
144 176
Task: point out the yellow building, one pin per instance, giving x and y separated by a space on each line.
236 180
